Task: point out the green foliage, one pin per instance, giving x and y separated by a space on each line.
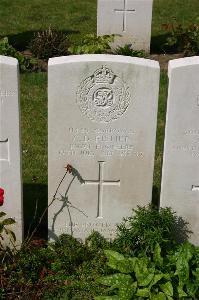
25 63
172 277
69 269
92 44
96 242
5 230
148 226
49 43
69 253
63 269
128 51
183 38
81 283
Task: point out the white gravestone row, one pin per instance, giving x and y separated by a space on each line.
10 154
180 178
129 20
102 121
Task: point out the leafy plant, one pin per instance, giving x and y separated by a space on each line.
49 43
96 242
25 63
183 38
128 51
173 277
148 226
5 230
93 44
69 253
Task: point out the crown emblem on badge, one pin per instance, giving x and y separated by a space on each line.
104 75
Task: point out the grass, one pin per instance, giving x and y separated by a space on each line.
77 17
19 20
183 11
34 144
160 136
34 126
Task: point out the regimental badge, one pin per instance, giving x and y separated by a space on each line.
103 96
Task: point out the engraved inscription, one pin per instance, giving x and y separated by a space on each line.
105 142
4 150
101 183
198 100
124 11
103 96
6 93
189 144
105 228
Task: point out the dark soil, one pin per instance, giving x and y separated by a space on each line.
164 59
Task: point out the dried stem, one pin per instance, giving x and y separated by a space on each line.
28 239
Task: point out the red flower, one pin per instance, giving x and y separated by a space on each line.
69 168
1 196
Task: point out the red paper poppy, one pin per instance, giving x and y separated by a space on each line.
1 196
69 168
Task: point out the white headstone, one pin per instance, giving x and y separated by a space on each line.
180 178
10 154
130 19
102 121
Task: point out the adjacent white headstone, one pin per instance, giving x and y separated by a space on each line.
130 19
10 155
180 178
102 121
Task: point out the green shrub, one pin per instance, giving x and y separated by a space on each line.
49 43
128 51
96 242
25 63
80 283
183 38
69 254
173 277
148 226
92 44
69 269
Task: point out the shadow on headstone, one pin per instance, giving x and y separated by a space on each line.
64 199
155 197
35 202
182 230
181 227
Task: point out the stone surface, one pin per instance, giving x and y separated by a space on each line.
102 121
10 153
180 177
130 19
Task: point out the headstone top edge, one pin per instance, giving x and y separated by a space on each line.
8 60
103 58
137 0
183 62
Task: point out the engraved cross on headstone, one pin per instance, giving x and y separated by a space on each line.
195 188
124 11
4 150
101 183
